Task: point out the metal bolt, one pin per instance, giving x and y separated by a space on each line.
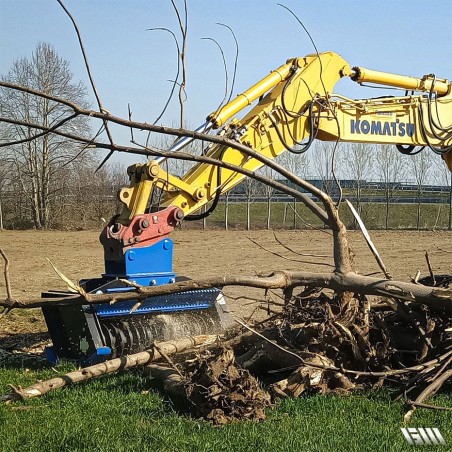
153 170
179 214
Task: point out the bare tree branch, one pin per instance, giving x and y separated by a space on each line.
9 294
288 258
327 219
175 78
91 79
436 298
296 252
235 60
225 71
183 29
107 367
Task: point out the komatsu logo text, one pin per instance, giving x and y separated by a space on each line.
395 128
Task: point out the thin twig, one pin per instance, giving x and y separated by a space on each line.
226 81
167 359
369 242
430 270
130 118
430 407
174 81
429 391
6 273
91 79
183 29
298 253
443 250
236 58
288 258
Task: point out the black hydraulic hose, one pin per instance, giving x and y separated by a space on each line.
305 146
408 150
433 125
312 132
439 151
432 95
211 209
283 99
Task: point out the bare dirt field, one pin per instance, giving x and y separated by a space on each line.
205 253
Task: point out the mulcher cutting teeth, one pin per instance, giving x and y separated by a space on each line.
93 333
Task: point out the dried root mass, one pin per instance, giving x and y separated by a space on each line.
221 391
322 343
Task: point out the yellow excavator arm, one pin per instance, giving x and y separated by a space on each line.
293 105
296 103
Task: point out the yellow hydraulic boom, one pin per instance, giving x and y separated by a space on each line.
296 103
290 107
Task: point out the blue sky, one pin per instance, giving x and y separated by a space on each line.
132 65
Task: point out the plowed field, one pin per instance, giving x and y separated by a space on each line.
206 253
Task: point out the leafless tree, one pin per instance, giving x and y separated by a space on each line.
322 159
268 192
251 189
296 164
357 161
5 176
421 169
391 170
443 177
37 163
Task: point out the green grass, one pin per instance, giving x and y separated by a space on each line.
123 412
402 216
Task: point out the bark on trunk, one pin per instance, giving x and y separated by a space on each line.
111 366
435 298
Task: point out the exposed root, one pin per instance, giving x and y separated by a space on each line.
323 343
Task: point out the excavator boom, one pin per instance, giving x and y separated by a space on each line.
289 108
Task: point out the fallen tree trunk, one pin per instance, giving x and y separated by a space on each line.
433 297
107 367
170 379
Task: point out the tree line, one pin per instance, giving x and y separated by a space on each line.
54 182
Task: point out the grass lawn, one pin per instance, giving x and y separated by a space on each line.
401 216
123 412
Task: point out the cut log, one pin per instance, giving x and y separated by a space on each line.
107 367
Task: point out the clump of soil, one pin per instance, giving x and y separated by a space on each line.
221 391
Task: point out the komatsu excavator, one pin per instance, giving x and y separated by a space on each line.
293 105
